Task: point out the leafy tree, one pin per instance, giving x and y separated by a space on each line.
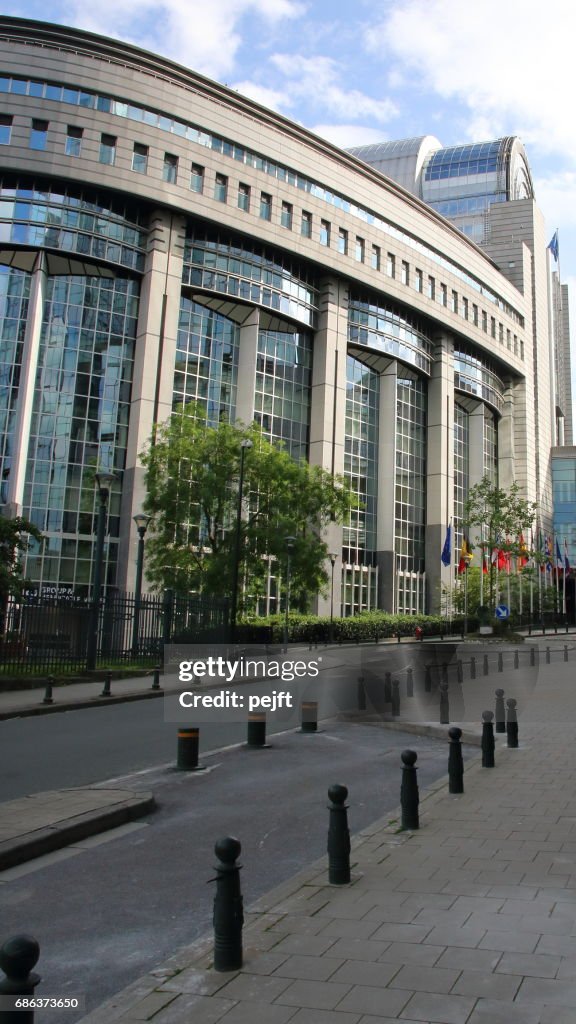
499 517
192 480
13 542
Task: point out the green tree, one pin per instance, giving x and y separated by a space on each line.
192 480
13 542
498 517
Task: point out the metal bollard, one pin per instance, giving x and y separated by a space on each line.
486 666
188 746
18 956
309 716
488 739
338 837
256 736
455 761
565 652
532 656
156 679
409 683
228 907
395 698
472 667
48 699
512 723
107 688
516 659
500 712
547 655
409 796
444 704
500 661
387 688
427 679
361 694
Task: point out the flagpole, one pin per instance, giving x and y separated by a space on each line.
564 582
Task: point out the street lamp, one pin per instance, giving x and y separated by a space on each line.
141 520
290 541
244 446
332 556
104 482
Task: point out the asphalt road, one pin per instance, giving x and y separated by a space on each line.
107 913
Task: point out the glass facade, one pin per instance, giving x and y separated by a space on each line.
361 472
490 460
410 492
564 498
283 389
476 375
14 295
389 330
206 366
79 425
461 474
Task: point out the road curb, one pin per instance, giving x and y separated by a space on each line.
53 837
77 705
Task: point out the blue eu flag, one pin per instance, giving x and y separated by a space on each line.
446 555
553 246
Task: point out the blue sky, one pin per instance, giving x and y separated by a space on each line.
370 70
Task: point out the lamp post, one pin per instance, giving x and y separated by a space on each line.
468 559
332 556
141 520
244 446
104 482
290 541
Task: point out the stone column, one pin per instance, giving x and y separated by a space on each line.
440 458
386 512
26 385
506 446
328 411
153 381
247 356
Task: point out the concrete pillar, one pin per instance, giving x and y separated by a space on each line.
153 381
385 531
506 447
476 445
440 457
328 411
247 357
26 385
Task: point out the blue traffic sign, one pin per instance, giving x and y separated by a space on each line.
502 611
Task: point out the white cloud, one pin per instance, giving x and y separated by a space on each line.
205 37
275 99
556 196
316 81
348 135
508 63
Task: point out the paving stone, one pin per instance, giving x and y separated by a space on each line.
510 942
534 965
254 987
411 953
487 984
263 963
146 1008
464 936
306 1016
460 958
200 1009
315 995
402 932
309 968
424 979
356 972
374 1000
351 929
426 1006
543 990
257 1013
313 945
294 925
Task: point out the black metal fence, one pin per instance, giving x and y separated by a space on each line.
51 634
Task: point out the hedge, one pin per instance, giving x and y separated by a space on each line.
371 626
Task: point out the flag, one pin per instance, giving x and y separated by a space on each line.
502 559
446 556
548 552
566 562
553 245
465 555
484 566
523 555
559 562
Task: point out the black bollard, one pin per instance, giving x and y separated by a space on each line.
338 837
228 908
387 688
427 680
500 661
500 715
488 739
256 736
395 698
309 716
107 689
472 667
409 683
48 699
188 746
444 704
409 797
18 956
512 723
486 666
516 659
156 679
455 761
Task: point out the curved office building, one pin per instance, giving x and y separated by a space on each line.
164 239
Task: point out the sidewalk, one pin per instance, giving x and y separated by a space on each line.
470 920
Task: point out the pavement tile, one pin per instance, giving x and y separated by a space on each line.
426 1006
350 929
200 1009
315 995
313 945
460 958
411 953
356 972
487 984
374 1000
146 1008
305 1016
204 983
556 1015
424 979
290 924
510 942
544 990
263 963
254 987
357 949
402 932
447 936
257 1013
310 968
533 965
561 945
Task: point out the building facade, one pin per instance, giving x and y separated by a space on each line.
164 239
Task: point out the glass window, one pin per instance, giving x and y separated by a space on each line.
221 188
140 158
265 206
418 280
286 216
359 250
38 134
405 277
197 178
170 168
5 129
107 149
306 228
375 258
475 314
454 302
443 295
492 327
73 140
244 197
464 308
343 241
431 288
324 232
391 265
